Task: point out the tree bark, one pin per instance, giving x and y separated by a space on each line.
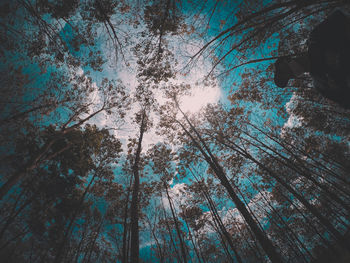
134 221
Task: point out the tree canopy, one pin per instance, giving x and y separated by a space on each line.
152 131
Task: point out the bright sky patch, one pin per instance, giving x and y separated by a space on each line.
199 98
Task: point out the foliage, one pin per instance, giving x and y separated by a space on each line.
100 161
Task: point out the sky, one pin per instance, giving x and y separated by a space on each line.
194 75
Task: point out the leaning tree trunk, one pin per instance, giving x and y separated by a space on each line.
177 227
218 220
340 239
260 235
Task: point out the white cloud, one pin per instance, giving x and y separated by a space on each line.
200 97
230 216
178 195
201 94
293 120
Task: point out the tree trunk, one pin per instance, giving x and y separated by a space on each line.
67 233
177 227
192 241
218 220
134 213
94 240
285 161
265 243
324 221
170 235
125 227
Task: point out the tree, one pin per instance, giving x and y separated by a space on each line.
217 169
134 208
58 195
253 25
262 177
45 151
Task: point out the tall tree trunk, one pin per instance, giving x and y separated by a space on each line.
82 239
302 245
285 161
310 224
214 224
14 215
159 248
134 213
200 144
177 227
324 221
217 218
288 146
193 241
125 226
94 240
170 235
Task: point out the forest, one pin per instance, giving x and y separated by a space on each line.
139 131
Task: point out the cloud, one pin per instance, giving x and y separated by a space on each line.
178 195
200 97
230 216
293 120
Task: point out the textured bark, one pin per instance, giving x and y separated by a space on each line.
134 221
